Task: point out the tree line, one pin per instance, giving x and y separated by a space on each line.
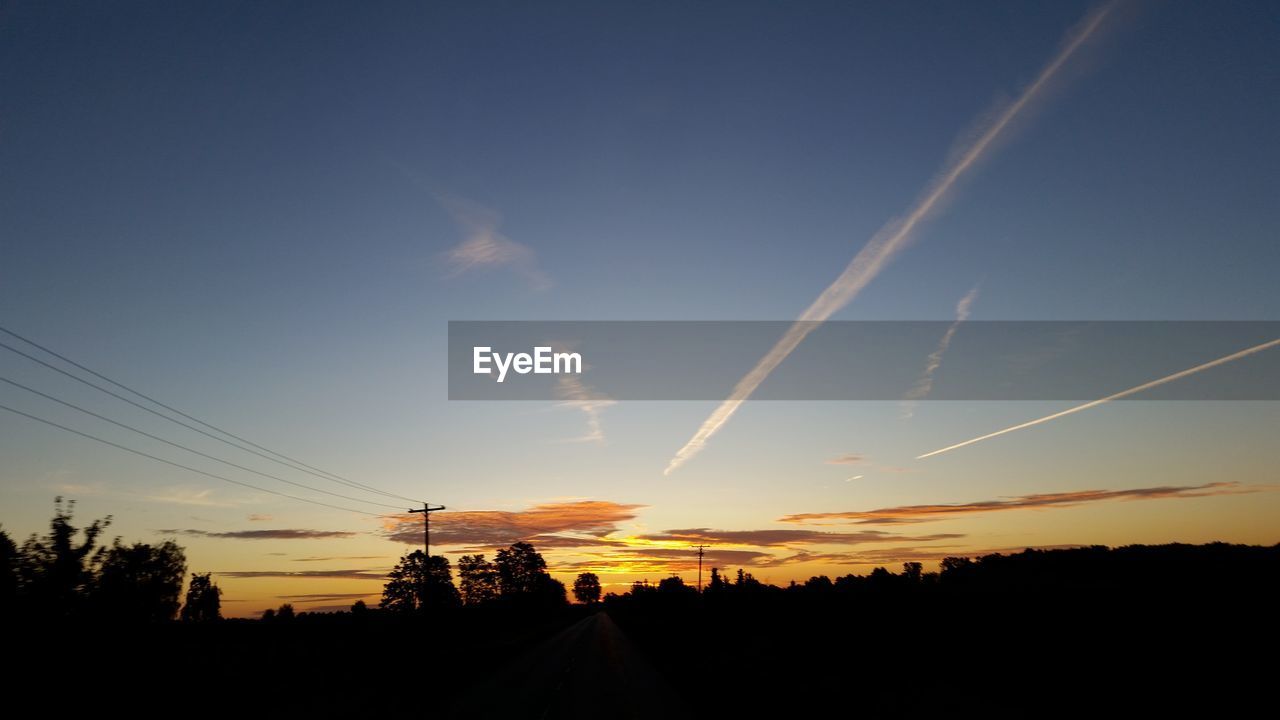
70 573
517 576
1131 571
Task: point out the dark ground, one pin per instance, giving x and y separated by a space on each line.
1185 630
898 659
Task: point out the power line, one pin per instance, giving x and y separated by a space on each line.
180 465
126 426
700 548
291 463
140 406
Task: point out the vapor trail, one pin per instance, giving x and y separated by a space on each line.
1122 394
877 253
925 384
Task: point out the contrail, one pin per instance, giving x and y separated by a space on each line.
925 384
882 247
1124 393
576 394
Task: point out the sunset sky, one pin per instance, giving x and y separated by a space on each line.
265 216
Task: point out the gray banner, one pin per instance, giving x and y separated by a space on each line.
914 360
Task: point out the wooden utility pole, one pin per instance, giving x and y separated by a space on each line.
426 526
700 549
426 546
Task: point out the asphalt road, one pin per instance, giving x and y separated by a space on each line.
588 670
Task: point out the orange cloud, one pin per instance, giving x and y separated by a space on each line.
283 534
923 513
367 574
786 537
541 524
643 560
326 597
847 459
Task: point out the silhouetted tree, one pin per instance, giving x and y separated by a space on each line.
520 568
673 584
745 581
285 613
912 572
477 579
881 580
140 582
523 578
204 600
957 571
717 583
268 615
359 608
8 573
586 588
818 583
54 571
417 583
549 592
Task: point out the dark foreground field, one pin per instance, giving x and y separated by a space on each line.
1194 631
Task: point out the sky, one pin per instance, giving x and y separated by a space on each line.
265 216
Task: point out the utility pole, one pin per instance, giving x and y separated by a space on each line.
426 526
426 546
700 549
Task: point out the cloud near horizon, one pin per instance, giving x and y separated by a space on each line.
787 537
326 597
338 557
672 551
541 524
282 534
366 574
643 560
924 513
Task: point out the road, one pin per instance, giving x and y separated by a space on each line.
588 670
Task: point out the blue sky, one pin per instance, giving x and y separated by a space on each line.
237 209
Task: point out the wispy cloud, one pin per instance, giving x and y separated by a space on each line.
786 537
257 517
657 560
484 247
367 574
883 246
79 489
1117 396
847 459
325 597
188 496
285 534
672 550
337 557
593 518
925 384
577 395
923 513
661 561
